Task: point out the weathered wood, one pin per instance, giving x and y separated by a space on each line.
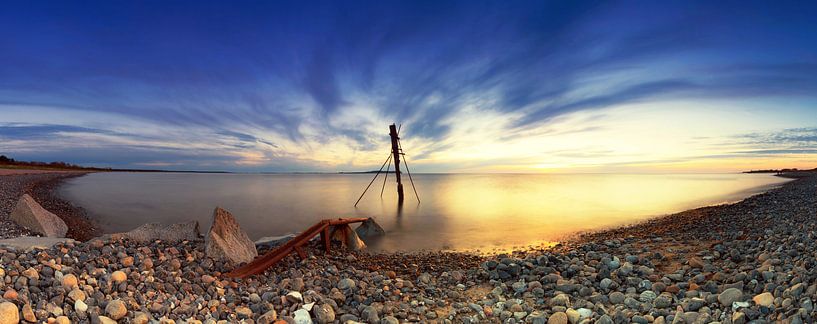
300 252
274 256
395 150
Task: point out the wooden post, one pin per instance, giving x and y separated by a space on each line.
395 149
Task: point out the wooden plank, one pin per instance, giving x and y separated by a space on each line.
274 256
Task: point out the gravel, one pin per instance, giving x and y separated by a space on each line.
738 263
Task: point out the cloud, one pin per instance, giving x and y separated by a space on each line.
315 85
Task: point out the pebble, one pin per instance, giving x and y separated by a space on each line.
729 296
80 306
9 313
69 281
765 299
324 313
118 276
558 318
116 309
302 317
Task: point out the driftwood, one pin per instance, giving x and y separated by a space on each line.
274 256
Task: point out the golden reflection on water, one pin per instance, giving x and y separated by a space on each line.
490 212
520 210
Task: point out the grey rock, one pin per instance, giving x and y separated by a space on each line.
226 240
173 233
369 228
28 213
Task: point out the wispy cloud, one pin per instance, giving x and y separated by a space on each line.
312 86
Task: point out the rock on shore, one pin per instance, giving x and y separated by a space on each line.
41 186
28 213
155 231
227 241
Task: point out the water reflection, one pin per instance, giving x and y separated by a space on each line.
462 211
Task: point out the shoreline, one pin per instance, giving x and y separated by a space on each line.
86 228
42 186
730 263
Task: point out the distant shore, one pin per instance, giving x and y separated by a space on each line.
732 263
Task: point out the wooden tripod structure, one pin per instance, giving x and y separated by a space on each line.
396 152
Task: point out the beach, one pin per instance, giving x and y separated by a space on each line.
734 263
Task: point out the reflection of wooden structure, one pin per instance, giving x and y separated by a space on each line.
274 256
396 152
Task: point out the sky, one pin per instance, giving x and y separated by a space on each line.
478 86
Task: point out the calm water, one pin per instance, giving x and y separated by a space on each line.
458 211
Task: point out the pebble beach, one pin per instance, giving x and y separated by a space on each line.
747 262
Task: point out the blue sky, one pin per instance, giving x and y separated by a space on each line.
479 86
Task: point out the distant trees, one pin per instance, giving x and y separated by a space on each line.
5 160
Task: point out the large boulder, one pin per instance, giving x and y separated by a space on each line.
168 233
226 241
369 228
347 237
30 214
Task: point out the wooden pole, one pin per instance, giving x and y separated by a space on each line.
395 150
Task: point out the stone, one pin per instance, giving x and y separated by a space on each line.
28 213
324 313
294 297
10 294
729 296
9 314
616 297
604 319
116 309
560 300
584 313
558 318
369 228
76 294
346 283
80 306
243 312
105 320
348 237
31 273
389 320
369 315
765 299
62 320
647 296
302 317
142 318
28 243
28 314
150 232
662 302
573 316
118 276
69 281
226 241
605 283
268 317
